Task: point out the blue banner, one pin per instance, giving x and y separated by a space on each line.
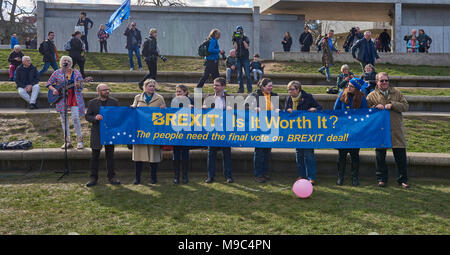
118 17
360 128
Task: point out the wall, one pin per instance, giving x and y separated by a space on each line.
435 20
180 29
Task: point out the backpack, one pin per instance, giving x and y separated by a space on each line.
203 49
145 48
16 145
41 48
67 45
332 90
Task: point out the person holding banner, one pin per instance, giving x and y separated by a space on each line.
350 98
218 102
262 156
93 116
299 100
390 98
181 153
147 152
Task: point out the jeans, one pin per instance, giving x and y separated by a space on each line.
47 65
342 161
306 163
75 121
180 153
400 160
256 73
103 45
245 63
212 158
136 50
34 94
152 70
229 73
109 152
327 71
211 67
261 161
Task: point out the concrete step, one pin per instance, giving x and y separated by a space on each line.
277 78
416 103
283 161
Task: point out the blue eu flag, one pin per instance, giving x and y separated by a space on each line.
118 16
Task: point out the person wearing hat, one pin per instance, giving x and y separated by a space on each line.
241 44
350 98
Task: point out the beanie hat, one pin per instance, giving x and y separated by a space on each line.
239 27
357 83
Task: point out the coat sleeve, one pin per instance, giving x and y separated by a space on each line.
90 116
341 82
135 102
400 105
355 48
338 103
10 57
315 104
213 47
371 103
35 79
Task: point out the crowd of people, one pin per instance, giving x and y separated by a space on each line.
414 42
371 90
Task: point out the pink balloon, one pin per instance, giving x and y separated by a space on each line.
302 188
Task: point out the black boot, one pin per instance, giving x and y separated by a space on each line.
137 178
176 166
185 166
154 168
355 171
341 170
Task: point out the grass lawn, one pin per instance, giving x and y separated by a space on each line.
40 205
233 88
423 134
113 61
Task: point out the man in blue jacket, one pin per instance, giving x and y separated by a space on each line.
366 51
27 81
211 60
14 41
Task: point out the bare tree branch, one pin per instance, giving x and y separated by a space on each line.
170 3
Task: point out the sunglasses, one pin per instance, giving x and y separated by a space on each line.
384 80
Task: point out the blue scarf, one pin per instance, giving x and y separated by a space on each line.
147 98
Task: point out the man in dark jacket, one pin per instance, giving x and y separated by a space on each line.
76 52
150 52
134 41
305 40
93 116
385 40
85 22
27 81
48 52
366 51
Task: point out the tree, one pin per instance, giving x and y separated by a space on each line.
13 16
170 3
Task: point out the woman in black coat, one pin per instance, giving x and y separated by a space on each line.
287 42
76 51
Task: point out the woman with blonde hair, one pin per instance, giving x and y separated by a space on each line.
147 152
211 60
75 101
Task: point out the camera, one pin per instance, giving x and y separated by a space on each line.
237 35
163 58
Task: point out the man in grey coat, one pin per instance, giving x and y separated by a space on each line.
365 49
93 116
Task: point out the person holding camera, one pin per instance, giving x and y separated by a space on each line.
150 52
212 59
241 43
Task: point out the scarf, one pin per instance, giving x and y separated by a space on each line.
268 102
356 100
147 98
295 101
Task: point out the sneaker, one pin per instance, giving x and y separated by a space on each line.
91 182
69 146
209 180
230 180
404 185
80 146
131 69
313 182
321 71
114 181
140 69
381 184
260 180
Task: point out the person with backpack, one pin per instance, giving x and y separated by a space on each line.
150 52
211 56
76 52
49 54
